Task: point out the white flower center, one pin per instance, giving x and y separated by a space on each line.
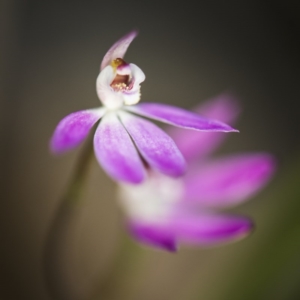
154 200
118 84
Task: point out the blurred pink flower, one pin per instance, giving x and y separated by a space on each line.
122 138
164 212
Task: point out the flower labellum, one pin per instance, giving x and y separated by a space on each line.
125 144
164 212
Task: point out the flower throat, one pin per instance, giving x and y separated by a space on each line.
122 82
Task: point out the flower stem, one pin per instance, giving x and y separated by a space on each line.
57 253
76 186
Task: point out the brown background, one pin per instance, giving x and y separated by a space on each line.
50 57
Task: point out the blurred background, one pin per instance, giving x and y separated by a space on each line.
50 57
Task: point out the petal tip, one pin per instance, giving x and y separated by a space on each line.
133 33
119 48
231 129
57 147
179 171
72 130
270 164
179 117
134 180
150 235
223 127
173 248
244 228
248 227
53 149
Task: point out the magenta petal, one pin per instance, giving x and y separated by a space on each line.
223 107
194 145
73 129
118 49
178 117
209 230
153 236
116 152
156 147
230 180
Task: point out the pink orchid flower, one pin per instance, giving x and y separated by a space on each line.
164 212
124 142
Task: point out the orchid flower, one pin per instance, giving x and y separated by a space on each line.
124 143
164 212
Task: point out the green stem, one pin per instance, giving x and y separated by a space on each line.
76 186
57 252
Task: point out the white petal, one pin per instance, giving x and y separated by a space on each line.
133 96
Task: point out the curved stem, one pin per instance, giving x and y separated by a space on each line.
78 180
61 232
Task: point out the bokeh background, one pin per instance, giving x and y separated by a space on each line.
50 57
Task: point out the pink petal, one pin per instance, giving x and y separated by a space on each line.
209 230
73 129
116 152
153 236
156 147
178 117
230 180
194 145
118 49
